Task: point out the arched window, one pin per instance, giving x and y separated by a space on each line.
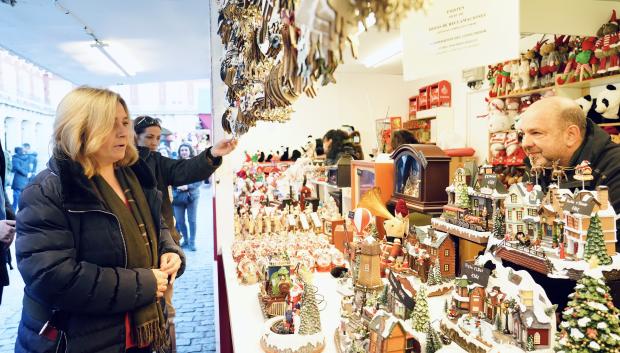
536 338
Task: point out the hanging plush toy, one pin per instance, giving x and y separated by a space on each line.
588 105
586 61
498 120
606 46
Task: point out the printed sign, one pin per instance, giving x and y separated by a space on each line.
476 273
351 214
452 34
316 220
304 222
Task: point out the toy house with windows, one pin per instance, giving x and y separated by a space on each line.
468 296
439 246
531 319
494 302
522 204
389 334
400 296
552 215
578 210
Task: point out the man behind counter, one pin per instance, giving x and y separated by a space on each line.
556 129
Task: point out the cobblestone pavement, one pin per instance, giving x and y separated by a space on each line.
193 293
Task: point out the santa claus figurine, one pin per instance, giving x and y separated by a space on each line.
401 208
605 47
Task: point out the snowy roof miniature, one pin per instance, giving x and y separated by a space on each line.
430 237
390 321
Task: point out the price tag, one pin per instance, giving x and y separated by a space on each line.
304 222
316 220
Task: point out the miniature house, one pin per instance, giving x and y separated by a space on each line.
531 320
421 174
578 211
388 334
468 296
439 246
522 206
400 296
551 213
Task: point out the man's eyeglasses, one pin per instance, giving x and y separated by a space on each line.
146 121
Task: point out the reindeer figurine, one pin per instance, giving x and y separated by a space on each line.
558 172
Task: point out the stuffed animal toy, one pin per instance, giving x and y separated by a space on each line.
498 120
512 109
295 155
269 156
503 82
533 55
309 149
497 147
606 46
514 76
401 208
608 102
514 152
524 73
284 157
492 76
545 70
585 59
261 158
588 105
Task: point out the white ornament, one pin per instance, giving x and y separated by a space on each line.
600 290
583 322
598 306
601 325
576 334
594 345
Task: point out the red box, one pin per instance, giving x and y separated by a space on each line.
445 94
423 102
413 107
395 123
434 95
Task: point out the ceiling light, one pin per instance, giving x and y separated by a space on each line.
385 53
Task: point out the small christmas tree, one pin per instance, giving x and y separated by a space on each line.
433 342
499 224
420 317
434 276
591 322
555 236
498 322
462 197
530 343
383 298
595 244
310 316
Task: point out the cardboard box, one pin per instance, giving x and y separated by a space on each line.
434 95
445 94
413 107
423 101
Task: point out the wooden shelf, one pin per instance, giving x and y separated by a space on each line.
432 113
599 81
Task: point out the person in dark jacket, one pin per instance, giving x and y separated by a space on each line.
185 200
92 247
336 143
401 137
556 129
21 170
7 228
32 159
174 172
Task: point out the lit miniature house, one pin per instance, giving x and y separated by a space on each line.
578 211
400 296
468 296
552 215
389 334
438 245
522 206
531 320
421 176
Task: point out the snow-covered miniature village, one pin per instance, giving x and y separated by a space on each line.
451 286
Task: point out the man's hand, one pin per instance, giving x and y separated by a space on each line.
170 263
7 232
223 147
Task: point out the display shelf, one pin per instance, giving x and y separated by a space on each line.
600 81
246 317
432 113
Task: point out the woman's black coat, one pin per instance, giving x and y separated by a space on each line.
72 256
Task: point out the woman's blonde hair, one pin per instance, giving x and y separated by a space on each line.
85 117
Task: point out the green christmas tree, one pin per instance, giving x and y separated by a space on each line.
498 322
462 197
383 298
530 343
420 317
310 316
555 234
434 276
433 342
590 322
499 224
595 244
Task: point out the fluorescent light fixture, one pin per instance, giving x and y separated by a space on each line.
384 54
105 50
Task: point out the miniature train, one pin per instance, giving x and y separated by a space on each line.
463 218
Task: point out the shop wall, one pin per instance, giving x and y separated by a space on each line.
357 99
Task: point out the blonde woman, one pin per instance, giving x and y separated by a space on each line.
91 247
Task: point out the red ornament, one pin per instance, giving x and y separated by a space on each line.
591 333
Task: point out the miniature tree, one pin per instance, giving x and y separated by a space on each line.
499 225
383 298
595 245
555 236
591 322
310 316
420 317
433 342
530 343
434 276
498 322
462 197
446 307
